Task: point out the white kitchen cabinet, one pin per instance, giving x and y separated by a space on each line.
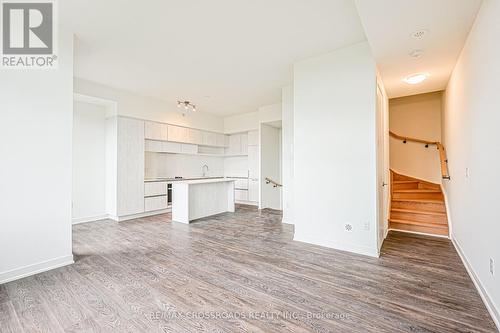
155 203
234 145
220 140
253 138
155 189
189 149
195 136
244 144
154 146
253 162
241 195
178 133
209 138
171 147
155 131
253 190
130 166
241 184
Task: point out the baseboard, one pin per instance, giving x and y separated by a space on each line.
140 215
363 250
40 267
78 220
490 306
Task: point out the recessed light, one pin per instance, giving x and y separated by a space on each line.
419 34
416 78
416 54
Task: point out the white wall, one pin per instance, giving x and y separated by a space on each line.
148 108
252 120
270 157
89 162
335 150
417 116
471 136
287 154
36 120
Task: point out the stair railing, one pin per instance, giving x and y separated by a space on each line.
445 173
270 181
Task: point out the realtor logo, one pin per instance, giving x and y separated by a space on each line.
28 34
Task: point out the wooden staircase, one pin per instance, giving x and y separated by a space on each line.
417 206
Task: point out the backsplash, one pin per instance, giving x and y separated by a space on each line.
172 165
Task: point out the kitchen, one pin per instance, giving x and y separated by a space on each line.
144 161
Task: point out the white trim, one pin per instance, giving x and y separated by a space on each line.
490 306
78 220
363 250
40 267
138 216
420 233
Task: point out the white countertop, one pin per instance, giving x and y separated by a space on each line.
205 181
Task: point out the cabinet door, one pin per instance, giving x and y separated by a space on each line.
155 203
220 140
152 131
209 139
130 167
253 138
154 146
244 144
189 149
253 162
241 195
178 134
155 188
234 145
253 190
171 147
195 136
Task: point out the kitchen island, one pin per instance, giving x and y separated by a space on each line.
195 199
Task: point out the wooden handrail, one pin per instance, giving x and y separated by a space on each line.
407 138
275 184
442 151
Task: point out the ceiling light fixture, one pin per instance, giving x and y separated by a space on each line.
187 105
419 34
416 78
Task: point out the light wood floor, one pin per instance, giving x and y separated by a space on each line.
242 272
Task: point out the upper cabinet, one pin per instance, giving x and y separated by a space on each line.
178 133
238 144
253 138
165 132
155 131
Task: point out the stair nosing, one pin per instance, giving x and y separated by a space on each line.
441 201
412 211
422 224
417 190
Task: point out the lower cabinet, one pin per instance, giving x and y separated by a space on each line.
253 190
241 195
155 203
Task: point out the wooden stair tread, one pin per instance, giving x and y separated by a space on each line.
418 190
419 200
414 211
423 224
405 181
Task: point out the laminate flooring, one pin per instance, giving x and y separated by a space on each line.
242 272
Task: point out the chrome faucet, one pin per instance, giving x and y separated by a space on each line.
203 170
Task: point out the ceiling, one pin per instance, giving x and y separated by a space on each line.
389 25
225 56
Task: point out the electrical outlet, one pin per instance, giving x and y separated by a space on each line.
492 266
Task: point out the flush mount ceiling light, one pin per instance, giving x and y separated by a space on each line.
187 105
419 34
416 78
